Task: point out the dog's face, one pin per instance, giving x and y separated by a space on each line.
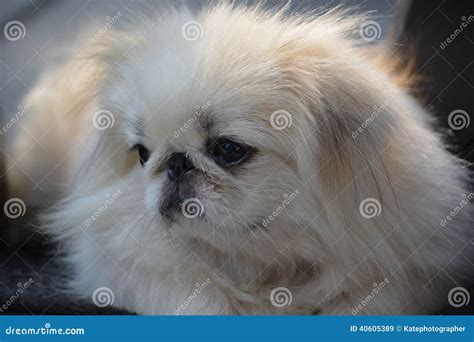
217 137
217 148
228 135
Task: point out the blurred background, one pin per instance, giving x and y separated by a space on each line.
438 36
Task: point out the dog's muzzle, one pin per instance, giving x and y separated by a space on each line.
180 172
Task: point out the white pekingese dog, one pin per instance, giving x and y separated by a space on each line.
239 161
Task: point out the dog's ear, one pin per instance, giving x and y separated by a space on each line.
108 156
72 121
355 109
57 135
358 141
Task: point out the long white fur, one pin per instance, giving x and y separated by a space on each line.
248 64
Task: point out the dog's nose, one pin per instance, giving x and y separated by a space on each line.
178 165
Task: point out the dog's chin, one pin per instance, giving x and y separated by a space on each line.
175 218
189 221
183 208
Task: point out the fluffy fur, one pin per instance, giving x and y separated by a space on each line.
314 174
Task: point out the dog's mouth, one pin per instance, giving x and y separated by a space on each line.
180 200
173 208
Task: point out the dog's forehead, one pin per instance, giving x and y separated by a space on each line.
175 100
196 122
184 89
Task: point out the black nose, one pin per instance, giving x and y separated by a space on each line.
178 165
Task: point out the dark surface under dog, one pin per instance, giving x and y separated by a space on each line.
45 295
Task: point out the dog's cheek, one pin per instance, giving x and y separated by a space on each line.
152 196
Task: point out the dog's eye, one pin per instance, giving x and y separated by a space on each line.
228 153
143 153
